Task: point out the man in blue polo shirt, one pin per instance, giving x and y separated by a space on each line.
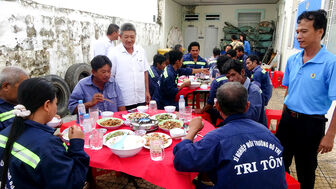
154 74
240 154
10 79
242 57
234 71
193 59
310 77
96 88
261 77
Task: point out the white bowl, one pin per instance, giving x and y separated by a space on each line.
106 114
204 86
194 85
177 133
132 145
170 109
54 122
142 109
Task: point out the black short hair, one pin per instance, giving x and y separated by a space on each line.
158 59
244 37
174 56
236 65
240 48
229 46
100 61
216 51
232 98
234 37
112 28
177 47
232 53
254 58
221 61
127 27
318 16
193 44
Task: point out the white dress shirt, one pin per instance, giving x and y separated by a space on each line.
101 46
128 71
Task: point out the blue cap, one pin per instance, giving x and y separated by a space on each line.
181 96
80 101
86 116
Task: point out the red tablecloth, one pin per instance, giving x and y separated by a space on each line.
161 173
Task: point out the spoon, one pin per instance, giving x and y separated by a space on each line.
118 145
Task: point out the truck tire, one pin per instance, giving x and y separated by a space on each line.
62 93
75 73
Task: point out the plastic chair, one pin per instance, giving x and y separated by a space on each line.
277 79
273 116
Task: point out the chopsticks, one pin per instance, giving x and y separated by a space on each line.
108 100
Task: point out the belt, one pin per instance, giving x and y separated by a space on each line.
298 115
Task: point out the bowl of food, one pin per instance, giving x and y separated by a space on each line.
147 124
142 109
194 85
54 122
131 145
170 109
169 124
110 122
116 133
135 116
164 116
107 114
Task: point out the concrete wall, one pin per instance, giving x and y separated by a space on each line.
172 18
45 39
228 14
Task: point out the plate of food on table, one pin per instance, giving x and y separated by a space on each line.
169 124
116 133
164 116
166 139
135 115
110 123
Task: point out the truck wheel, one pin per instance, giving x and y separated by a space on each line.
62 93
75 73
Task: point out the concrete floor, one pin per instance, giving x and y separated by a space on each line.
325 173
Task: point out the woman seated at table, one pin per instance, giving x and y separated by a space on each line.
215 84
98 89
31 156
168 81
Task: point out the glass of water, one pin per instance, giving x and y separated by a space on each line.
96 140
156 150
94 115
187 114
152 107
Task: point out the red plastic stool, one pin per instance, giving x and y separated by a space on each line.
273 115
277 79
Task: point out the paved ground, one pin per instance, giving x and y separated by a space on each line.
325 173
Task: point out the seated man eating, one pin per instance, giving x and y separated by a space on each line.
98 89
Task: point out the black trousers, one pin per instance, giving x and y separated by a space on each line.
135 105
300 135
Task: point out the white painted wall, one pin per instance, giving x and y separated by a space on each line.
172 16
227 15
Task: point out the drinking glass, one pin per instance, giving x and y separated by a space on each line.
187 114
156 150
96 140
94 115
152 107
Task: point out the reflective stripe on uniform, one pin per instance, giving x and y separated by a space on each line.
65 146
21 152
6 115
151 73
221 79
201 63
252 76
188 62
263 71
213 62
165 73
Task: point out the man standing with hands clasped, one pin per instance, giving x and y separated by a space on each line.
310 76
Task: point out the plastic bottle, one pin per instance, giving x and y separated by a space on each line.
87 130
201 74
181 106
81 112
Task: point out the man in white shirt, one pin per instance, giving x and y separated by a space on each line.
102 45
129 68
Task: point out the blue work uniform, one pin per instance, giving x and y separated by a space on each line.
41 160
240 154
261 76
312 85
247 48
243 60
168 85
256 110
154 75
6 114
188 62
85 89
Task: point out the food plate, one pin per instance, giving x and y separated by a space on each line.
164 116
170 124
110 122
112 134
136 115
167 141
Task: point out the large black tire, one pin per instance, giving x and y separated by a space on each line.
75 73
62 93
